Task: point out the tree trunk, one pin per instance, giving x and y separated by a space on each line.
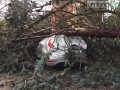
94 33
113 33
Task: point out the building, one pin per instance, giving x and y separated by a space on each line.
62 15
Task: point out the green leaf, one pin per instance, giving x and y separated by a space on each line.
17 86
24 70
71 1
33 83
86 69
50 78
94 85
39 66
115 85
57 88
14 68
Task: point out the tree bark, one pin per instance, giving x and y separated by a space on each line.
108 33
94 33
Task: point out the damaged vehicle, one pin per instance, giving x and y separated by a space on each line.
59 45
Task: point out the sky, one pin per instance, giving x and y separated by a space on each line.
3 7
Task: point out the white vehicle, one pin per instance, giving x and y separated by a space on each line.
60 45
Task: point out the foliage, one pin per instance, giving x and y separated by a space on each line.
16 15
104 61
23 12
24 33
3 25
112 22
101 70
41 63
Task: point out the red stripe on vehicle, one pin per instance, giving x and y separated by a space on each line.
50 44
51 60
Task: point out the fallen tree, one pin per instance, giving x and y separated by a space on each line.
108 33
100 33
94 33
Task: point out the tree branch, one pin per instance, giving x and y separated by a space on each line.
46 15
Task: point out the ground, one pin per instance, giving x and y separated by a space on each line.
6 80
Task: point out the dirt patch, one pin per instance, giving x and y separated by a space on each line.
6 81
